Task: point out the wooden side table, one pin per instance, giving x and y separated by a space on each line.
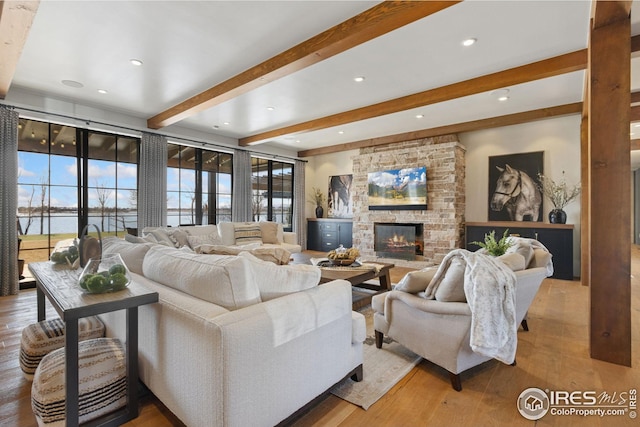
59 285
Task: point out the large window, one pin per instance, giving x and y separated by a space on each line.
69 177
272 188
198 186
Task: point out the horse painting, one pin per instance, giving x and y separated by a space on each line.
518 194
340 196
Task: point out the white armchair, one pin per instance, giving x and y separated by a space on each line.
439 329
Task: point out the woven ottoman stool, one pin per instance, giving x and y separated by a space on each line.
40 338
102 382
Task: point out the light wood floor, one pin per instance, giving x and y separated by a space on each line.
553 355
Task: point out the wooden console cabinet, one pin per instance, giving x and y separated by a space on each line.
325 234
558 238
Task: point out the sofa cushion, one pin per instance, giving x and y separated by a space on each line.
204 239
227 281
269 231
513 260
451 288
416 281
277 280
247 233
132 253
274 254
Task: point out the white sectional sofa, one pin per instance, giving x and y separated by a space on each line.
264 234
236 341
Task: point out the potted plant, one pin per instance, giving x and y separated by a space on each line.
560 195
317 198
493 247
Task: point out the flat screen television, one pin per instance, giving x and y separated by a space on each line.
398 189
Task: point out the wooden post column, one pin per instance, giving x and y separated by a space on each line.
610 188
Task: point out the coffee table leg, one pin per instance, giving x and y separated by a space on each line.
385 280
132 362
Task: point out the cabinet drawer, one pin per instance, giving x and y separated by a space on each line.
329 227
331 244
328 235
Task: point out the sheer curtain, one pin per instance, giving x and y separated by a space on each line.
152 185
10 284
241 202
299 203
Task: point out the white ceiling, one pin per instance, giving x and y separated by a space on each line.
190 46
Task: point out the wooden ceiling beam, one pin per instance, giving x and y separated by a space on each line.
507 120
380 19
562 64
16 18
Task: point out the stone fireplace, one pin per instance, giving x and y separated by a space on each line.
398 240
442 221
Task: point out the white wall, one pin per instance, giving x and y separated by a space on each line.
559 138
320 168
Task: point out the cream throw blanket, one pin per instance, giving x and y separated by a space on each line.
489 286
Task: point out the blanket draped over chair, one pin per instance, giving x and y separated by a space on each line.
489 286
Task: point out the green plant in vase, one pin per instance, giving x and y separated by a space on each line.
493 247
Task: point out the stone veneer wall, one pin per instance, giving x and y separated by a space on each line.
444 218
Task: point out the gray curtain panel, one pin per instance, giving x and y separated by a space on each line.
242 196
299 225
8 201
152 185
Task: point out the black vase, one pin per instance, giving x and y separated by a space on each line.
557 216
319 211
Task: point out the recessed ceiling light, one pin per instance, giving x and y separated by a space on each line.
358 79
469 42
271 108
72 83
297 140
419 116
136 62
503 98
341 132
102 91
226 123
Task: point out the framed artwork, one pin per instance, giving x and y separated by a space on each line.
398 189
339 201
514 187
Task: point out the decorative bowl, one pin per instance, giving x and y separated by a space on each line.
105 274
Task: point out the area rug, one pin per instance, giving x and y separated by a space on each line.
383 368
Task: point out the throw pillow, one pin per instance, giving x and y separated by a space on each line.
541 258
178 237
451 288
269 231
249 233
416 281
513 260
135 239
207 239
523 248
162 237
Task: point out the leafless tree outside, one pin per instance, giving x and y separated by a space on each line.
256 206
43 197
104 194
30 210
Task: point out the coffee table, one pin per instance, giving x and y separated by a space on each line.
356 276
59 285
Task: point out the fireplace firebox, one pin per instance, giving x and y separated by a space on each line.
398 240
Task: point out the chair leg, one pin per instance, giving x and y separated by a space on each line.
455 381
379 337
514 362
524 324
